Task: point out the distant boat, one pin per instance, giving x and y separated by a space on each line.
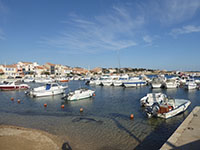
27 80
171 83
190 84
15 85
156 83
134 82
43 80
79 94
120 80
49 89
62 79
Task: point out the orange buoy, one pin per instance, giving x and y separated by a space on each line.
18 101
62 106
45 105
12 99
81 109
94 94
131 116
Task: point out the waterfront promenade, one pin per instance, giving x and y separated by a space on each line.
187 136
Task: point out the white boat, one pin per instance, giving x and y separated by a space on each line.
119 81
190 84
15 85
79 94
43 80
27 80
167 109
62 79
156 83
49 89
152 98
170 83
134 82
106 80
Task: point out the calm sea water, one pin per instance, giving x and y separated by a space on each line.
105 122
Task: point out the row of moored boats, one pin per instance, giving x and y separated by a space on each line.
156 104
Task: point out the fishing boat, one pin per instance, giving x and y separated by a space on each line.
15 85
152 98
167 109
49 89
79 94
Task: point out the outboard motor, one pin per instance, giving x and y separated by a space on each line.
152 110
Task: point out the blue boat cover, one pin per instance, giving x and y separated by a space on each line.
48 86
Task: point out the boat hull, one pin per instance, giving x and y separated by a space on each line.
176 111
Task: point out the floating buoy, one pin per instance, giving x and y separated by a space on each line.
18 101
12 99
131 116
62 106
81 109
94 94
45 105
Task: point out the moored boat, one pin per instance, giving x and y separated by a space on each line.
79 94
190 84
49 89
15 85
134 82
152 98
168 109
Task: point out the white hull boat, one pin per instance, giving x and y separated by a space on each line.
49 89
190 84
156 85
27 80
134 82
79 94
11 86
167 110
170 84
44 80
152 98
117 83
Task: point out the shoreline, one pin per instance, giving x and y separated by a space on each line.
17 138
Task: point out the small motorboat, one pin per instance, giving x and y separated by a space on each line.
15 85
152 98
62 79
27 80
50 89
79 94
167 109
190 84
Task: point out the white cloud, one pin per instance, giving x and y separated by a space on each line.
113 31
147 39
176 11
185 30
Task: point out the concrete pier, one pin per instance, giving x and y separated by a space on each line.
187 135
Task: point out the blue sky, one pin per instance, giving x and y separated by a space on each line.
156 34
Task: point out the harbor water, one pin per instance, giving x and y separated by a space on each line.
105 121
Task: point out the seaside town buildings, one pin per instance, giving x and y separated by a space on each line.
22 69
